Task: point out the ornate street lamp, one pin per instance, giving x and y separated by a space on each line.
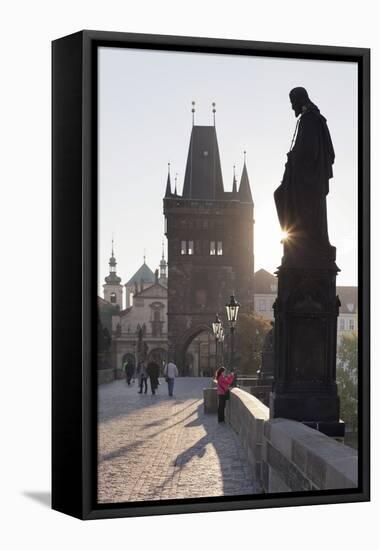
232 314
221 338
217 329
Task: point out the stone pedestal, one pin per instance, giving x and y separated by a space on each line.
306 312
268 365
210 400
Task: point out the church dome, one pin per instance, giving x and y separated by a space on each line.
113 279
145 273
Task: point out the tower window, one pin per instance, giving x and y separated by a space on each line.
113 298
219 248
212 248
187 247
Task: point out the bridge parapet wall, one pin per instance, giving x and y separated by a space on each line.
285 455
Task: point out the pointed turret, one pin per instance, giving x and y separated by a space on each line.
244 193
203 177
168 185
176 185
234 189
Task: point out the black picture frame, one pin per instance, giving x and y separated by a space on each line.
74 204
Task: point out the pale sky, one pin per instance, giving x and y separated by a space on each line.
145 122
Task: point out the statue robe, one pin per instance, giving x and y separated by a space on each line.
301 197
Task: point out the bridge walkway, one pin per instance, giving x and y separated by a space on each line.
155 447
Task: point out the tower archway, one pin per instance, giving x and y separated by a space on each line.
198 352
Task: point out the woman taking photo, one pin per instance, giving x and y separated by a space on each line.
223 383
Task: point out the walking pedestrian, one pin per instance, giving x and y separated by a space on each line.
129 371
223 382
142 376
153 373
125 368
171 372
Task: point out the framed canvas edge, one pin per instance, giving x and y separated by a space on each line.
90 41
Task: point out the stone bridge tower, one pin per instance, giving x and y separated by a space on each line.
210 235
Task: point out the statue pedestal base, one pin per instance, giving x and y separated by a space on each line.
306 408
306 312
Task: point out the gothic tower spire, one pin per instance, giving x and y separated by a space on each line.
168 185
244 189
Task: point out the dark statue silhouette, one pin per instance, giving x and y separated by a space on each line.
306 308
301 197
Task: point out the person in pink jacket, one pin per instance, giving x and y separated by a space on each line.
223 383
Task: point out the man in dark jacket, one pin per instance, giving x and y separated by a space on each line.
129 372
153 373
301 198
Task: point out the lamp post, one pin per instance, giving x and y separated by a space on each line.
217 328
221 340
232 313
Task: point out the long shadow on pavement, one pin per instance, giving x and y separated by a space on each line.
236 473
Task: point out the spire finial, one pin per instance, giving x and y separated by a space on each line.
162 249
176 181
214 113
144 255
193 113
169 164
244 157
112 245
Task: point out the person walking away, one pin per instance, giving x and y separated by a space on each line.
171 372
125 368
223 382
142 376
153 373
129 371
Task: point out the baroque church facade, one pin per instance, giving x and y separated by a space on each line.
138 330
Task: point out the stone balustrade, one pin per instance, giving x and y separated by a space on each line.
286 455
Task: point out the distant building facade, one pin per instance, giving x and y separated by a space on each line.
265 292
140 331
348 317
266 288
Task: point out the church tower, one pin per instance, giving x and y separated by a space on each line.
210 235
112 287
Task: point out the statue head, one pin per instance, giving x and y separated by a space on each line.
299 98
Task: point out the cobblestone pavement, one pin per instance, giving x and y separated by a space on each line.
154 447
